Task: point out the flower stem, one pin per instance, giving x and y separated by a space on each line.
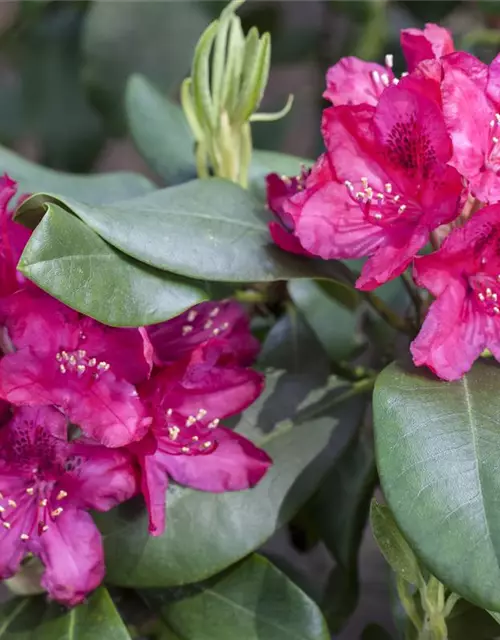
414 295
386 313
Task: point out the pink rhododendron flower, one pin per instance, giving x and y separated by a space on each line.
354 81
279 190
464 276
47 485
431 42
471 106
225 319
62 358
13 238
188 400
399 188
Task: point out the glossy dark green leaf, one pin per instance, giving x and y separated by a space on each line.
293 346
94 189
71 262
252 601
392 543
35 619
160 131
346 295
296 366
206 229
436 453
338 513
340 508
238 522
156 39
336 327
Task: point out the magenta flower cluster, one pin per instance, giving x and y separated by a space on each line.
410 163
91 415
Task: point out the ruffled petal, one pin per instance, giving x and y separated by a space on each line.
235 464
225 319
351 144
332 225
26 379
20 520
106 409
432 42
354 81
126 350
154 487
467 113
441 197
104 479
13 238
203 383
71 550
286 240
34 319
411 129
452 336
493 84
392 259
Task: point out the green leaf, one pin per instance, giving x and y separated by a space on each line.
335 326
239 522
436 444
392 544
156 39
252 601
296 369
291 345
206 229
495 616
338 513
339 510
160 131
35 619
94 189
346 295
71 262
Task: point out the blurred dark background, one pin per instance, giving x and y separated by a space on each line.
63 65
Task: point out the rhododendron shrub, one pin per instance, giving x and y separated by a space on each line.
234 360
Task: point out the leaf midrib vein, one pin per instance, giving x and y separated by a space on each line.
12 616
468 402
104 217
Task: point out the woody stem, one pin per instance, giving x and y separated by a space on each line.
387 314
414 295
